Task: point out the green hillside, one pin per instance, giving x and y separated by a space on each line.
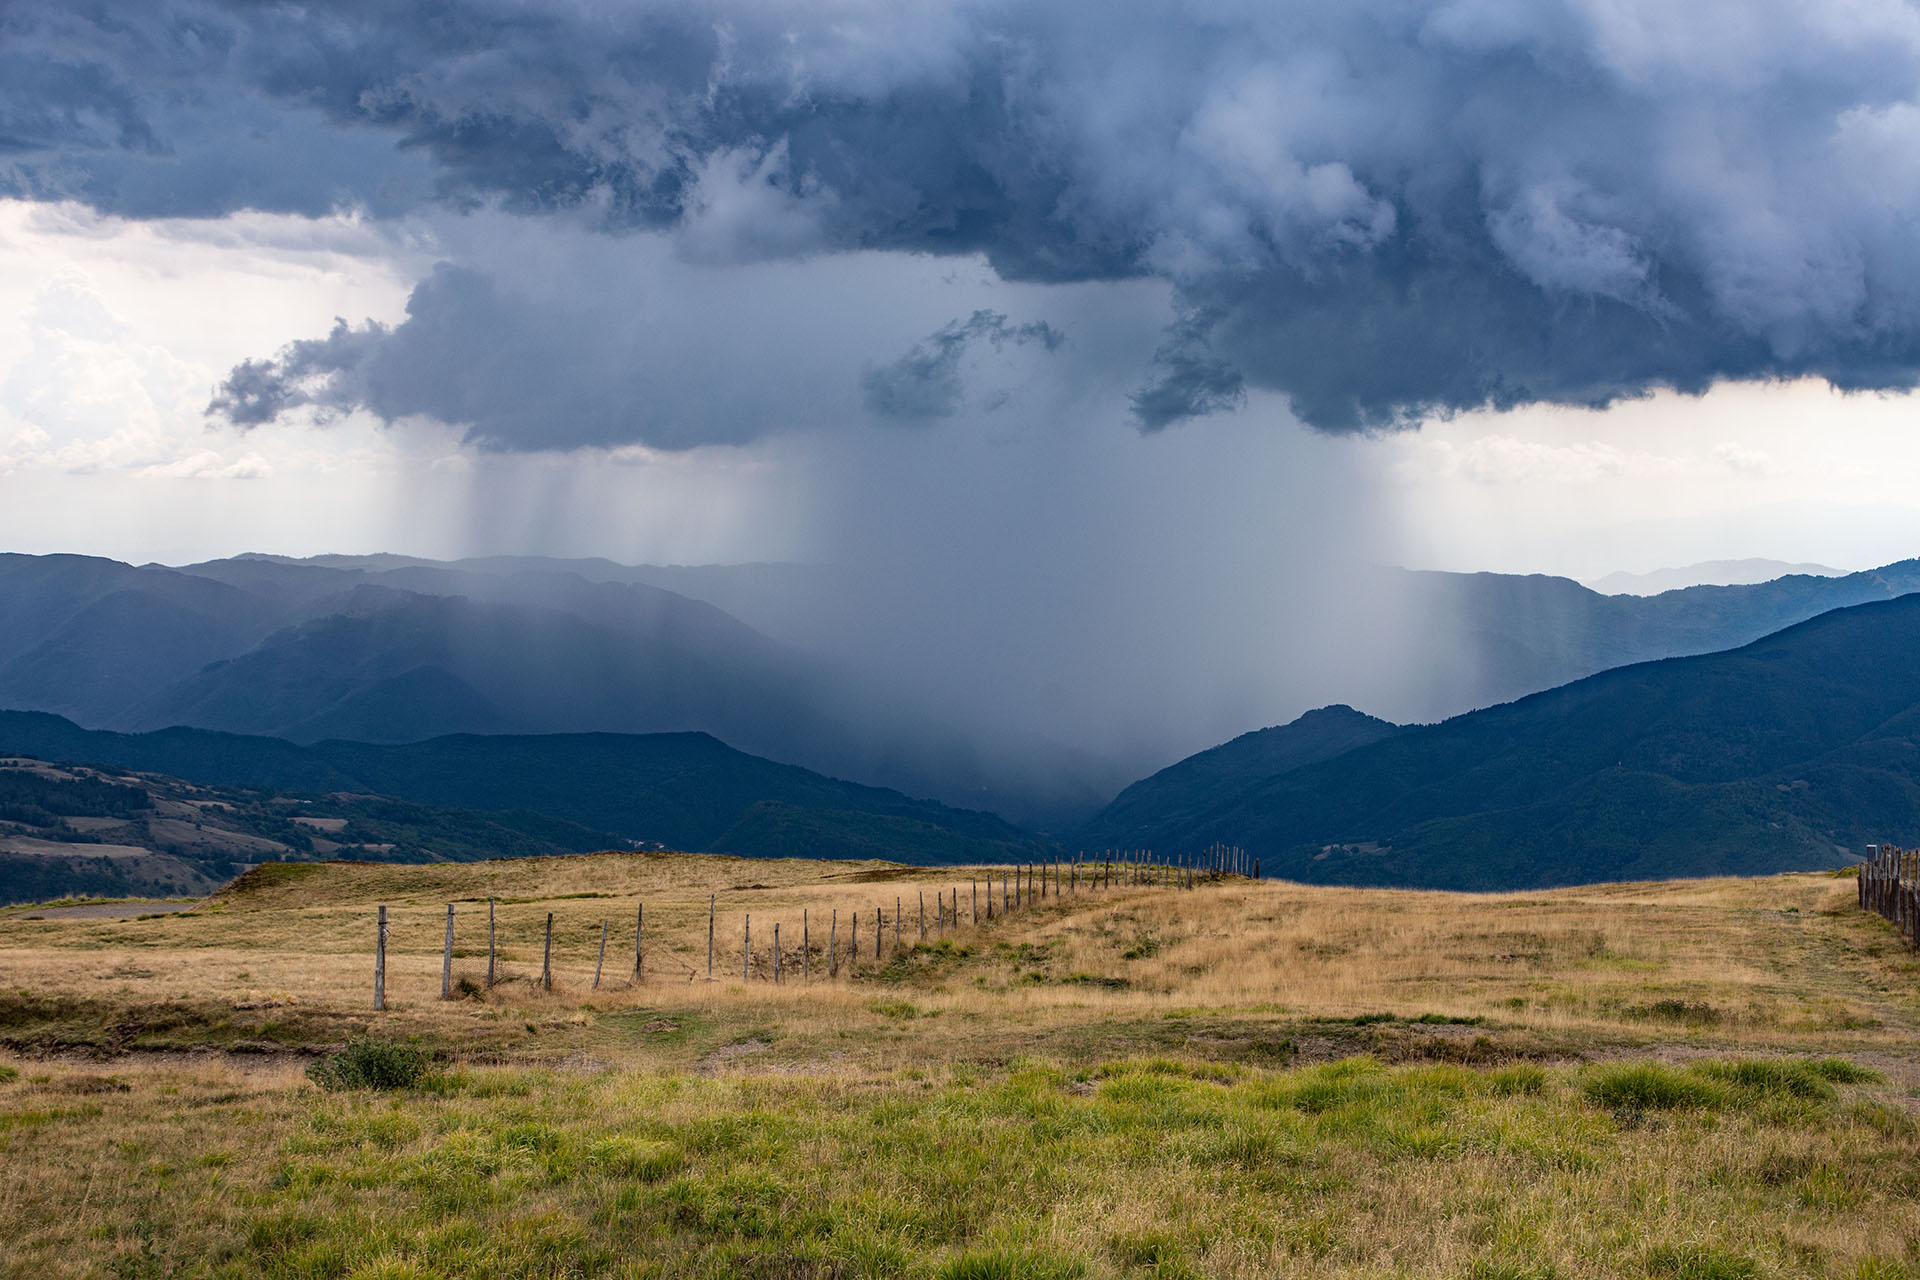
466 796
1792 752
1149 811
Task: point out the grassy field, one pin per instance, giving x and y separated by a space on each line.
1692 1080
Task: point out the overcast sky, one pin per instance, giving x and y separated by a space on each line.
1075 291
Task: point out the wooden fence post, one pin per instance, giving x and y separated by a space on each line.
489 944
746 962
546 960
896 925
776 953
833 945
853 942
380 962
446 960
639 930
600 962
710 898
806 950
879 930
923 915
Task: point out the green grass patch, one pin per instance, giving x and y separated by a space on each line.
1011 1264
367 1063
1698 1262
1651 1086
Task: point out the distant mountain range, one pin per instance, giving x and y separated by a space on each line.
388 649
450 798
1715 573
1791 752
1483 638
1794 751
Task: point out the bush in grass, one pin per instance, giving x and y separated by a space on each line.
1840 1071
1520 1079
1788 1077
1011 1264
9 1074
1696 1262
367 1063
1648 1086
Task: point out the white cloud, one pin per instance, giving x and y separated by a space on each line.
1739 458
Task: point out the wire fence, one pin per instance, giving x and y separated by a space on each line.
986 897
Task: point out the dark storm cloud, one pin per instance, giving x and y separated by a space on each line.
514 373
925 383
1386 209
1187 379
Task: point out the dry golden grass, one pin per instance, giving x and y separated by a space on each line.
1135 1081
1779 963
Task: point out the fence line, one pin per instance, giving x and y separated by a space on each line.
1890 885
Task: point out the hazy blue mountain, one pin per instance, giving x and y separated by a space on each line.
391 648
685 791
1718 573
1791 752
395 666
1183 793
86 637
1489 637
1496 637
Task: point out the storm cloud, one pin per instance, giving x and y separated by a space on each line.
1385 210
925 383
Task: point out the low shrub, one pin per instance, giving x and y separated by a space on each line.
1011 1264
1649 1086
1840 1071
1789 1077
1686 1013
367 1063
1697 1262
1522 1078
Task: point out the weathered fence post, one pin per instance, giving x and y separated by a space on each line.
853 943
546 959
639 930
833 945
806 949
879 930
923 915
489 944
896 925
380 962
746 963
446 960
601 961
710 898
776 953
